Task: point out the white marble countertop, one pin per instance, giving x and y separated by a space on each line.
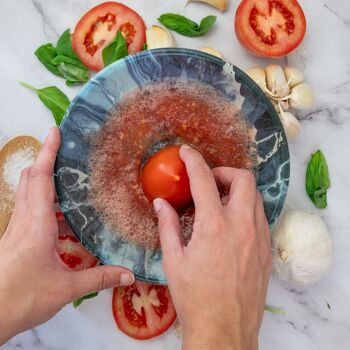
325 59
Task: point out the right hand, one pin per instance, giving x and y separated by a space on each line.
219 280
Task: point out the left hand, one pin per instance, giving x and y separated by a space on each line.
34 283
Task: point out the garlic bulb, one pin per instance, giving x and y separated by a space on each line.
158 37
221 5
290 124
258 75
212 52
276 80
293 76
301 96
301 247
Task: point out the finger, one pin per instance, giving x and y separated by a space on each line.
202 183
169 228
22 193
243 194
224 176
41 191
99 278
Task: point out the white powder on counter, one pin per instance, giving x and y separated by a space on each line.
15 163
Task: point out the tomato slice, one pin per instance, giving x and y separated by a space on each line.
70 250
164 175
143 310
99 26
270 28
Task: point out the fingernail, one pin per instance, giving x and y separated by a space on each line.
184 146
126 279
157 204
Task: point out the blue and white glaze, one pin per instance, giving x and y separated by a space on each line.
90 110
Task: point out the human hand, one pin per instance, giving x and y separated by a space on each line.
219 280
34 283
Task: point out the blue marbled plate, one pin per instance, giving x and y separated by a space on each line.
90 110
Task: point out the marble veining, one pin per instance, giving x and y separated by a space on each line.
317 316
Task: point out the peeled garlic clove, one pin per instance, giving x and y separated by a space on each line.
290 124
258 75
221 5
158 37
276 80
301 247
284 105
293 76
301 96
212 52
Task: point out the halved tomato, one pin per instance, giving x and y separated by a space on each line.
143 310
270 28
99 26
70 250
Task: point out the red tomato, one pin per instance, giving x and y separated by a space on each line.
70 250
99 26
270 28
164 175
143 310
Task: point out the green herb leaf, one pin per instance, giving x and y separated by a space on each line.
65 59
185 26
78 302
317 179
115 50
73 74
53 98
274 310
46 53
144 47
64 46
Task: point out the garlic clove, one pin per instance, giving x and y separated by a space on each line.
293 76
301 96
276 81
221 5
259 76
212 52
158 37
290 124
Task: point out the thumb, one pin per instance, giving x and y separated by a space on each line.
99 278
169 228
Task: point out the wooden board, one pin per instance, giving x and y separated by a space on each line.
7 195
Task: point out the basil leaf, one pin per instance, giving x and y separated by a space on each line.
46 53
78 302
317 179
65 59
54 99
144 47
64 46
73 74
115 50
185 26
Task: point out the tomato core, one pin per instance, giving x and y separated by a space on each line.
164 176
107 21
260 23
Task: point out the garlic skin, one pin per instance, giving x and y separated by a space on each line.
290 124
276 81
221 5
301 247
293 76
301 96
259 76
212 51
158 37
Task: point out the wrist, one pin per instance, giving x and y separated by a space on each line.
211 337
